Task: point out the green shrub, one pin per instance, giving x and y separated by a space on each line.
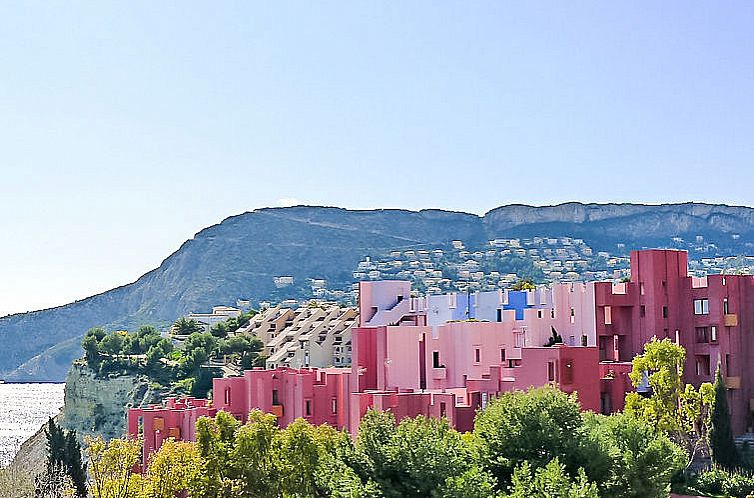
718 481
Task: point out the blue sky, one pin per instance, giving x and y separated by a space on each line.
126 128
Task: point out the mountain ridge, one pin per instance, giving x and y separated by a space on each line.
238 257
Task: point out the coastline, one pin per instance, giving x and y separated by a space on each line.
32 454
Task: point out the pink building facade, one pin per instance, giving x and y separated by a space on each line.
400 363
711 317
446 356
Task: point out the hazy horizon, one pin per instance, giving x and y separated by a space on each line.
130 127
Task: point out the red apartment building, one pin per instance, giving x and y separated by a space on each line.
451 369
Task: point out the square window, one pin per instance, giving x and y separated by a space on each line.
701 306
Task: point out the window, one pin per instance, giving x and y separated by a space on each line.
502 354
499 315
573 315
443 409
227 396
519 339
641 288
713 334
702 365
584 340
308 408
275 400
702 335
477 355
334 405
539 313
728 366
435 359
701 306
664 311
608 315
551 371
552 313
726 309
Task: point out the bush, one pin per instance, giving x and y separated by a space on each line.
718 481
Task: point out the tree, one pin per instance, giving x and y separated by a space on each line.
554 338
219 330
216 440
74 465
53 483
64 455
182 326
474 483
537 426
253 457
111 468
643 462
722 445
91 351
112 343
417 458
524 284
675 408
245 348
550 481
174 468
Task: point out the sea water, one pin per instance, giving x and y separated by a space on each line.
24 408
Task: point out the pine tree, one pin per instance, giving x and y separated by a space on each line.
724 451
64 454
55 444
75 467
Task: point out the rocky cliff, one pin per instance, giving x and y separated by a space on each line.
239 257
97 406
94 406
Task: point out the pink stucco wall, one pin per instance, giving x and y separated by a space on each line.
451 369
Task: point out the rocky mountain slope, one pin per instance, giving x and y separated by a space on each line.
239 257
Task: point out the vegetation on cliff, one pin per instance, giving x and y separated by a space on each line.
183 369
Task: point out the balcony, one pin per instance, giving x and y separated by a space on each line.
277 410
733 382
730 320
